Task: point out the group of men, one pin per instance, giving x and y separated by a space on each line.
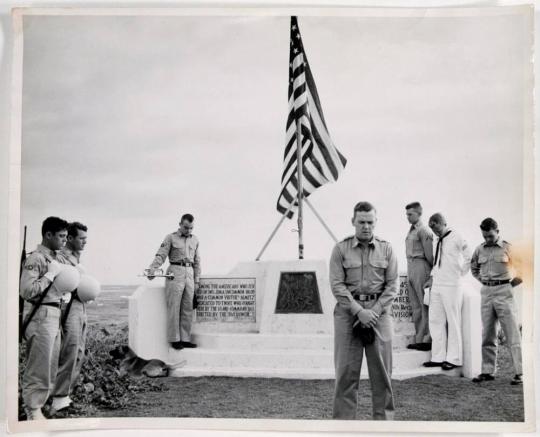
54 322
364 280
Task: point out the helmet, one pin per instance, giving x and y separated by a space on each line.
67 280
89 288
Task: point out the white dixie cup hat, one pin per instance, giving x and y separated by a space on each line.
67 280
89 288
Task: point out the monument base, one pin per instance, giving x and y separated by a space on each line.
291 356
271 345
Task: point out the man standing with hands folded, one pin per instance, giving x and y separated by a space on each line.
364 280
496 265
452 262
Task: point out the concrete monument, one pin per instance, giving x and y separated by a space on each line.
252 323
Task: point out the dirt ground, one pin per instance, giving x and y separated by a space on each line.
436 397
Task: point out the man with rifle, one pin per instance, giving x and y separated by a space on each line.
73 321
41 327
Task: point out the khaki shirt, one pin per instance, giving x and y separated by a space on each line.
69 256
419 243
494 262
369 270
33 280
179 249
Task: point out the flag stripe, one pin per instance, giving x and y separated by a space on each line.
321 161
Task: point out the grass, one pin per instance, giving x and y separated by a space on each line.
434 397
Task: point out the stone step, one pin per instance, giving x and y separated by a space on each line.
288 373
425 371
255 341
295 359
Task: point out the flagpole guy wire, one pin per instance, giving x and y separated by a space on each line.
321 220
274 231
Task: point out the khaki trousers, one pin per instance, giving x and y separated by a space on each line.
418 271
42 350
498 306
179 293
71 350
348 355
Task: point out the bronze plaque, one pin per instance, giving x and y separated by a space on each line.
298 293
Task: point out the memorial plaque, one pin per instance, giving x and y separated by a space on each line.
226 300
401 307
298 293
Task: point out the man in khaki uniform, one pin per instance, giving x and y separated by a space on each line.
492 264
364 280
419 251
182 249
42 333
74 323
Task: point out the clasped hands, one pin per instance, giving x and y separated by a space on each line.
368 318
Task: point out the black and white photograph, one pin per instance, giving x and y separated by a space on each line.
306 219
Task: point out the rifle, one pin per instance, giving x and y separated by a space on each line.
21 300
34 310
24 325
68 308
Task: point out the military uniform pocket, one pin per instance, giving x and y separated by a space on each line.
378 268
353 271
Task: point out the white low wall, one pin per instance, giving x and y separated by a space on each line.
471 330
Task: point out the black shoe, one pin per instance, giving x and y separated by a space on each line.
517 380
448 366
177 345
483 377
432 364
423 346
413 346
188 344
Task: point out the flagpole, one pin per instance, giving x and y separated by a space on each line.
321 220
274 232
300 191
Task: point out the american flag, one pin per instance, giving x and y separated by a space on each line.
321 161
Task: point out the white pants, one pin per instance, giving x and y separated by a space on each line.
445 324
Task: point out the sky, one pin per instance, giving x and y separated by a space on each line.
129 122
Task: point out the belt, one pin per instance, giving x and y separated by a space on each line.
366 297
182 263
494 283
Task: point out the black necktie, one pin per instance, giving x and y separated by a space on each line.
438 250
